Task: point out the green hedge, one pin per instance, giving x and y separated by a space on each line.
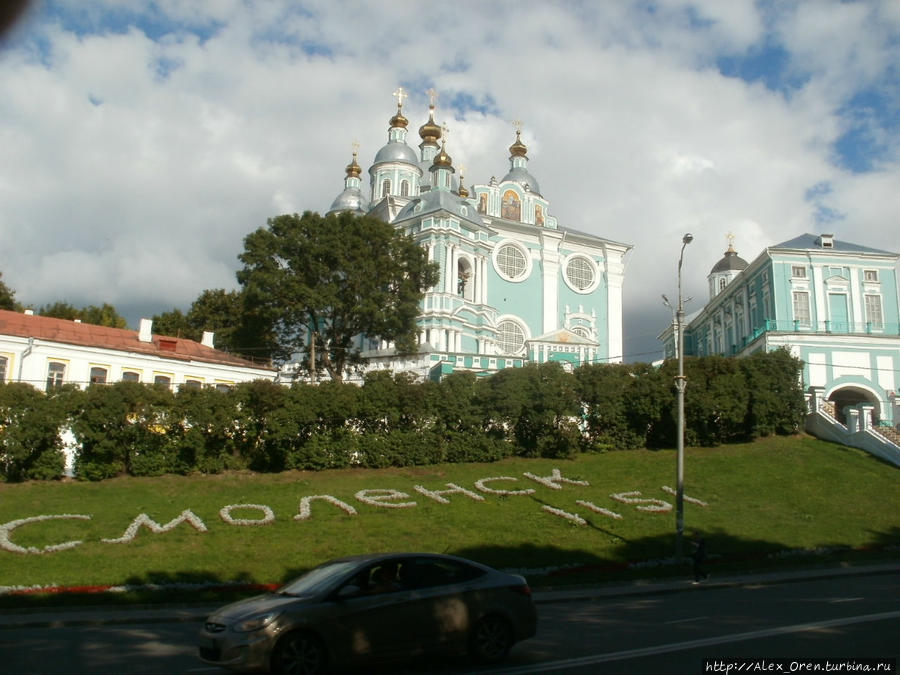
535 411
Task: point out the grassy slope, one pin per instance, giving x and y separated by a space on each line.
767 496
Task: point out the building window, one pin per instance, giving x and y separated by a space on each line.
723 282
162 379
130 376
874 315
801 307
386 187
511 261
404 188
870 275
580 273
482 202
98 375
539 215
192 384
798 272
224 387
56 373
4 362
510 338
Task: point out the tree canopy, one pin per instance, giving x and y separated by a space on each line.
238 328
7 297
335 277
105 315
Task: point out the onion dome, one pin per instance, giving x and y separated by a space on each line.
399 120
430 132
518 149
463 191
351 199
730 262
354 170
443 159
518 161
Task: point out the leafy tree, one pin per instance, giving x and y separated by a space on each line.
237 326
59 310
105 315
7 297
335 277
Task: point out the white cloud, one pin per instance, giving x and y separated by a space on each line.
139 152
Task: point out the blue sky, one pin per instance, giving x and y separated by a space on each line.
142 141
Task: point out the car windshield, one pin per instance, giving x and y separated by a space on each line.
317 579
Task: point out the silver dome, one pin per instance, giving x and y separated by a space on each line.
397 151
351 199
522 176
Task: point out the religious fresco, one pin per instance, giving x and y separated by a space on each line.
482 203
510 206
539 215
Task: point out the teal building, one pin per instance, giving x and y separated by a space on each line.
832 303
515 286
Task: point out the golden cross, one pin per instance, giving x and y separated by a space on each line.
730 237
445 129
355 148
432 96
400 94
518 125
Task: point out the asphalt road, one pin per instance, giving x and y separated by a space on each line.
665 629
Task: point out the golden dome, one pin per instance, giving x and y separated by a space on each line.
399 120
354 170
430 132
442 158
518 149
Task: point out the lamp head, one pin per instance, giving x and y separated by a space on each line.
687 239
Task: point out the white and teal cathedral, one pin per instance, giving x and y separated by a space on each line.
514 287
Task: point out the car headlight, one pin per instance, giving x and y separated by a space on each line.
255 622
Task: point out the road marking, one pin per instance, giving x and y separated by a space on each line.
693 618
835 601
691 644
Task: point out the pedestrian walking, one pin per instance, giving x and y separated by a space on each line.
698 555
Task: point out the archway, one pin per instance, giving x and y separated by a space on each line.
853 395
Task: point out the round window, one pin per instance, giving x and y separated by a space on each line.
511 261
580 273
510 337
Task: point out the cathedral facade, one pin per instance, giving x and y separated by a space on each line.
515 287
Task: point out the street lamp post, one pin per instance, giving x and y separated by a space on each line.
680 384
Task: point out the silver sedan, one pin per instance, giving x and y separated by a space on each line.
365 609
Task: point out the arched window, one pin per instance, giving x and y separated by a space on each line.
539 215
482 203
385 187
404 188
98 375
511 207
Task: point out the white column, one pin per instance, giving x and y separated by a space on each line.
448 269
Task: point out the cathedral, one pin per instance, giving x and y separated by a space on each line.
515 287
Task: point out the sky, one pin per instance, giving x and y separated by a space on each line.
141 142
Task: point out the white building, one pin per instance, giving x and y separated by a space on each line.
47 352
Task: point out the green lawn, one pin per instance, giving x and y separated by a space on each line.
773 495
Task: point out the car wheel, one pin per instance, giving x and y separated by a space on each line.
491 640
299 654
